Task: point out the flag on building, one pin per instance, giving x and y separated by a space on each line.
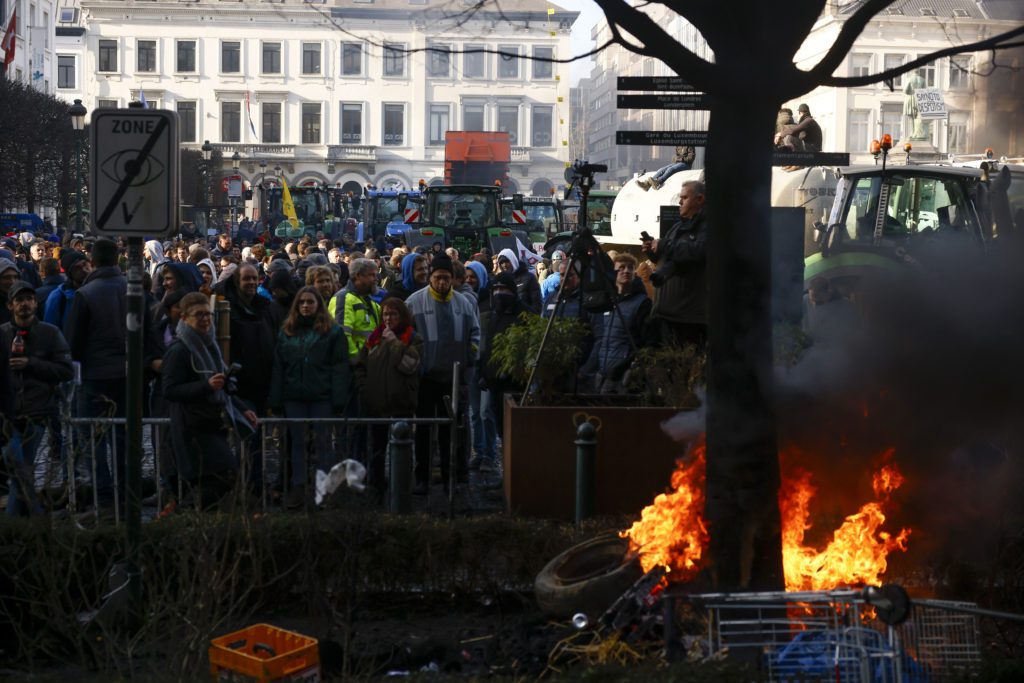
287 206
248 112
9 43
142 99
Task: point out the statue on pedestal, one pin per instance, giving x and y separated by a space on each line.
918 128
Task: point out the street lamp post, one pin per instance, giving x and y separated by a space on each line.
236 160
207 150
77 113
263 189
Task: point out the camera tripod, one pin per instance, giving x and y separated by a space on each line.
593 262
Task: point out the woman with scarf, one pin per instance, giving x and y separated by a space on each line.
415 272
195 380
311 378
388 378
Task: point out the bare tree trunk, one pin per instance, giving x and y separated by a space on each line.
742 461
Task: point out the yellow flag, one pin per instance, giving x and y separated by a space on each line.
287 205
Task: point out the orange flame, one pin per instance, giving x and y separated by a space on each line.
672 532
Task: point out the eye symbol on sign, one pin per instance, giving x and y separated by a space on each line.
119 165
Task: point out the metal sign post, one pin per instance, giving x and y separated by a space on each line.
134 193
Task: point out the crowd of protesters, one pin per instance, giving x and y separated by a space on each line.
319 328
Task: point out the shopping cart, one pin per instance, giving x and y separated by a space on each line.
874 635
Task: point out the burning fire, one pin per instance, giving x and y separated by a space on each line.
672 532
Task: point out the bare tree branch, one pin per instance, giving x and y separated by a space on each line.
700 73
851 30
993 43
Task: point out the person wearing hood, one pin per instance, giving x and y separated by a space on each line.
527 287
479 281
175 276
480 414
276 265
612 351
153 251
76 267
208 271
195 381
414 276
311 378
9 274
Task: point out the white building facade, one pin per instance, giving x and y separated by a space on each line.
34 62
346 92
977 116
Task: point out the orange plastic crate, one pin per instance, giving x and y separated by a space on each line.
265 653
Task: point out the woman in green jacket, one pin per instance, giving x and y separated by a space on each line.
311 379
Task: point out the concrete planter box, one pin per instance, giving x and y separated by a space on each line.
635 459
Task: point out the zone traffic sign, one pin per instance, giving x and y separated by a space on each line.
134 171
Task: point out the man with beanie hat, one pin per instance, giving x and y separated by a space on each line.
450 328
76 267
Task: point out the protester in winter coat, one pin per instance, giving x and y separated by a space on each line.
614 329
52 279
282 288
480 413
527 287
40 361
9 274
153 252
208 271
357 312
195 384
414 276
450 328
311 378
388 376
76 268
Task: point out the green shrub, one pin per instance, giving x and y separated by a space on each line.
515 352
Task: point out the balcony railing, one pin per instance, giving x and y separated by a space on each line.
521 155
254 151
351 153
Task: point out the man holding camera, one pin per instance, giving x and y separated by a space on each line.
196 385
679 314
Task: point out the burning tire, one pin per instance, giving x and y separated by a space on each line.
587 577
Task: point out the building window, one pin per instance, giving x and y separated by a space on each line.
271 58
541 126
956 132
230 121
106 104
231 57
186 61
860 65
892 120
508 61
351 59
439 61
440 116
473 117
960 68
351 123
508 122
311 123
394 124
857 130
145 59
271 112
310 58
187 121
927 72
65 71
892 62
108 56
543 70
474 64
394 60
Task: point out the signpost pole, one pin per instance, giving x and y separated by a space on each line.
133 432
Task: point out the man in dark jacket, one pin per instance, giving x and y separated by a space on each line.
77 267
52 279
95 330
39 362
679 314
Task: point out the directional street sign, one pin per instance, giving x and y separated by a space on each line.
810 159
653 83
134 171
695 138
664 101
